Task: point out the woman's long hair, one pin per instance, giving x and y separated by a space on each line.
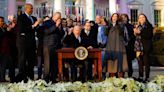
117 22
147 21
126 15
117 17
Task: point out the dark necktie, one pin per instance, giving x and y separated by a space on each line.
32 21
76 43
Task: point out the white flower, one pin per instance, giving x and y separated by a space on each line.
3 89
152 87
109 85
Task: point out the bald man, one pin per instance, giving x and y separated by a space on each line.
53 34
26 43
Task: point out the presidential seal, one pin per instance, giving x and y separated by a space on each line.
81 53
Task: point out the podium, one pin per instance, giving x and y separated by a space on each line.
68 53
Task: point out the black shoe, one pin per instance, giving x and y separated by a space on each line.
146 80
83 81
12 80
134 78
39 77
3 80
54 81
19 78
47 79
140 80
74 78
104 76
25 80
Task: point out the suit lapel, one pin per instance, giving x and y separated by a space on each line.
28 19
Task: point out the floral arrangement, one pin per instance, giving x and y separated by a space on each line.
108 85
156 85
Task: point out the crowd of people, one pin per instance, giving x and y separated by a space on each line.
120 42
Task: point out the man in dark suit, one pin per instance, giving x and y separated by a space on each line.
90 37
89 34
74 40
6 50
2 58
26 43
53 34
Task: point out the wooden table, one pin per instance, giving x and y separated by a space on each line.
68 53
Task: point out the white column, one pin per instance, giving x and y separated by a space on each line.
59 6
77 8
30 1
112 6
90 9
12 9
123 6
162 18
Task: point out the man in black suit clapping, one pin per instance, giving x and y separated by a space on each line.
26 43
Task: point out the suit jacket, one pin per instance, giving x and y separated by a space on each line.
146 37
71 41
52 34
1 35
7 41
130 47
1 38
95 29
91 39
26 34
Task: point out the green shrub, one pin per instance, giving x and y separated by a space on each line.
158 43
157 55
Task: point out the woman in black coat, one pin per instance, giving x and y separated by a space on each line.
143 45
129 40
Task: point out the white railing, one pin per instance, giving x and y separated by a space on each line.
40 11
74 10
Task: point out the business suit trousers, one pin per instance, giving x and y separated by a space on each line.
26 61
7 61
74 63
50 63
2 67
